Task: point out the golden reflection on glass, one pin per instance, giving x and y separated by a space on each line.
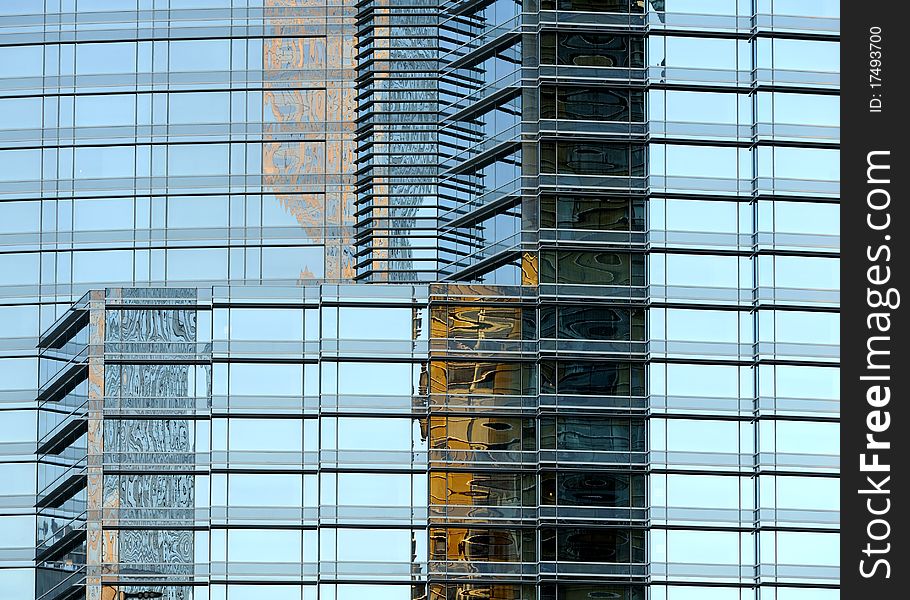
480 591
475 377
313 179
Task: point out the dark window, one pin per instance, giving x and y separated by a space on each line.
592 544
592 104
613 6
589 591
486 591
569 488
592 158
580 212
482 433
591 50
581 377
593 434
486 545
457 377
467 488
593 268
592 323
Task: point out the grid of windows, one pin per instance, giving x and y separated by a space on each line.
626 386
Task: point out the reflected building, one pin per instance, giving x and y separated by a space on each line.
419 300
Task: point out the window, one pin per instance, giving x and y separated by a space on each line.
591 104
801 163
19 321
369 545
200 55
20 165
484 322
591 50
592 158
612 6
799 327
199 107
586 488
592 434
803 109
698 107
800 493
104 161
703 491
806 272
704 7
261 490
197 159
456 377
483 545
104 265
804 55
18 426
278 324
197 211
264 545
591 213
20 113
105 110
267 379
592 323
21 61
482 433
695 53
807 548
368 433
702 270
686 435
105 58
699 215
594 268
592 545
197 264
255 592
293 263
714 381
353 591
803 218
790 381
588 591
483 489
694 161
20 217
591 377
102 214
374 489
703 547
265 435
380 379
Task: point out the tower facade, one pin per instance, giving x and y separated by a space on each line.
419 299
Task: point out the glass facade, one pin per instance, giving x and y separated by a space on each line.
419 300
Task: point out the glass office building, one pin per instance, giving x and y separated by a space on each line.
419 299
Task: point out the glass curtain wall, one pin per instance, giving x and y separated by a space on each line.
159 142
743 283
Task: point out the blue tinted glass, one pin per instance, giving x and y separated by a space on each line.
200 55
199 107
21 61
107 161
19 165
20 113
109 58
117 109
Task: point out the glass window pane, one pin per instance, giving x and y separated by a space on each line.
21 61
105 58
